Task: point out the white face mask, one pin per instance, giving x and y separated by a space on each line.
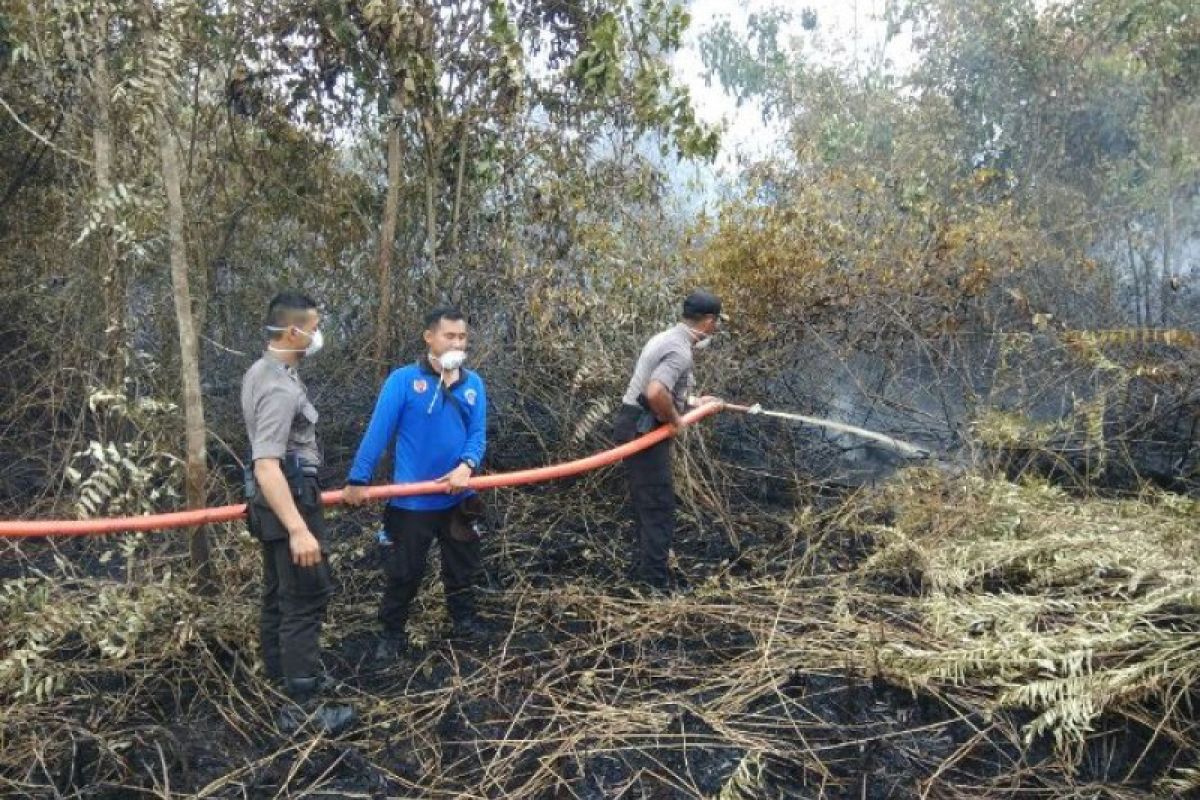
450 360
703 340
315 342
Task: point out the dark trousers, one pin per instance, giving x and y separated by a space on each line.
652 493
404 564
293 604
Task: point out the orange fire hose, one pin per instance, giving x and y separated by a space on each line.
208 516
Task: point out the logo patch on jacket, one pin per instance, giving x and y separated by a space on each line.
420 385
469 395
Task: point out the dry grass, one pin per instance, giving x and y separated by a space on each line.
1072 609
802 665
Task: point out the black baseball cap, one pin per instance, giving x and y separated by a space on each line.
701 303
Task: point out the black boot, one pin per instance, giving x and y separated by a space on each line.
306 710
325 684
464 622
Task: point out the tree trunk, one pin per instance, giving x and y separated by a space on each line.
431 120
1148 282
387 235
459 180
1166 291
112 278
189 353
1136 275
431 221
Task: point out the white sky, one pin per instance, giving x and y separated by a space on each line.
849 32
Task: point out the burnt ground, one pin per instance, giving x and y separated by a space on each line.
755 681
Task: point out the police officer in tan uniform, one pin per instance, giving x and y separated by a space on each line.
659 392
285 511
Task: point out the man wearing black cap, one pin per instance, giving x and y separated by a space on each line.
660 392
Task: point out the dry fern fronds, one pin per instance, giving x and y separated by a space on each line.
1069 608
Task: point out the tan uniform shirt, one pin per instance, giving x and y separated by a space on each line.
666 358
280 420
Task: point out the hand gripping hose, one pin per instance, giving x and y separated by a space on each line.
207 516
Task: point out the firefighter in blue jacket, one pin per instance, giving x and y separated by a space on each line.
435 413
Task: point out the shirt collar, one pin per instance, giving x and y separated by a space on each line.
424 364
277 362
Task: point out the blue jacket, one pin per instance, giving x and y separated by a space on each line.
434 428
